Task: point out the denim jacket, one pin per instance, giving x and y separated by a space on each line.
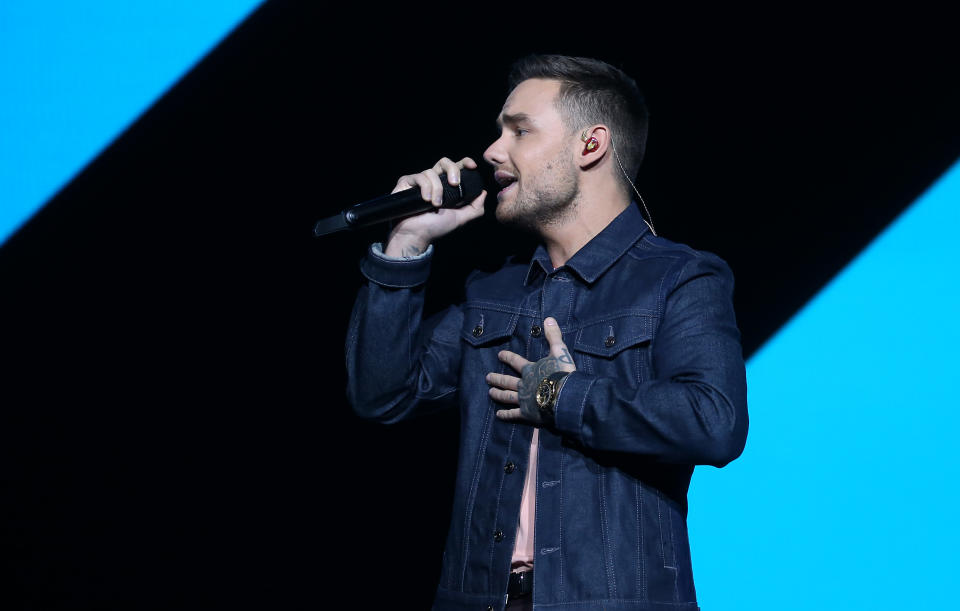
660 386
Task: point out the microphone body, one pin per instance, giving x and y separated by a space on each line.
401 204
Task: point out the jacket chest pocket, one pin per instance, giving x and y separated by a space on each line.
616 346
487 329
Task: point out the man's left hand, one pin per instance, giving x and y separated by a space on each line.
522 391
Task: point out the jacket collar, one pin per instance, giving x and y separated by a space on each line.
597 255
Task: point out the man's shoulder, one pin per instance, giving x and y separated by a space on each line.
675 257
650 247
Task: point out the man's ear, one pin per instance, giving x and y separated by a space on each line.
594 142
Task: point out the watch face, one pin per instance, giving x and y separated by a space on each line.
543 393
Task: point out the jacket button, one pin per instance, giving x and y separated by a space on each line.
509 467
489 607
536 331
498 536
477 331
611 340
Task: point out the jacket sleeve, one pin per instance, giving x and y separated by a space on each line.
694 409
399 366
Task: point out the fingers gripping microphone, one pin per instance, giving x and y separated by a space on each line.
401 204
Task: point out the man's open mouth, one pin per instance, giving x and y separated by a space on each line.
505 180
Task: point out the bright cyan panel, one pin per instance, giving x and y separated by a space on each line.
846 495
74 75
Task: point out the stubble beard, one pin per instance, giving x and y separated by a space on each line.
546 200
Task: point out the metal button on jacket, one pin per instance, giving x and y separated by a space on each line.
610 341
477 331
498 536
536 331
509 467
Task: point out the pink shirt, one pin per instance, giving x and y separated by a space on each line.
523 547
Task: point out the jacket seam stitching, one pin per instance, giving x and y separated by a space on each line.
583 405
560 493
641 564
478 467
605 531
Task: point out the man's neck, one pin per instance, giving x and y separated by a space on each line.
593 213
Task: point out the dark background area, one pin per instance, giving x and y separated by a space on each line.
175 431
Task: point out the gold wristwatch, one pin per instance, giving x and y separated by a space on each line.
547 391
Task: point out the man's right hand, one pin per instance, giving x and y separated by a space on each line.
413 235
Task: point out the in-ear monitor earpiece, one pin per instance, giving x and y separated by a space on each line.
592 144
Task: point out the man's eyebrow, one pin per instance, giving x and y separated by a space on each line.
512 119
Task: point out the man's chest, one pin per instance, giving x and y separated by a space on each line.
608 325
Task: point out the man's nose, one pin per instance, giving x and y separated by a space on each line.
494 154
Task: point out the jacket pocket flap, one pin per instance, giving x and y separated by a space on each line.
609 336
483 324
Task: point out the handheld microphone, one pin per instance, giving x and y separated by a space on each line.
401 204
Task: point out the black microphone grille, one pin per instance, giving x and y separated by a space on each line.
471 184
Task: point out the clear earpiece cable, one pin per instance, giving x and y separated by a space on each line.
650 222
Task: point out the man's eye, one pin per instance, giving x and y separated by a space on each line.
520 131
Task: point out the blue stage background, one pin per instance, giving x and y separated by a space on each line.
845 495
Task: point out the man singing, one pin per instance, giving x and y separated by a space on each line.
590 380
